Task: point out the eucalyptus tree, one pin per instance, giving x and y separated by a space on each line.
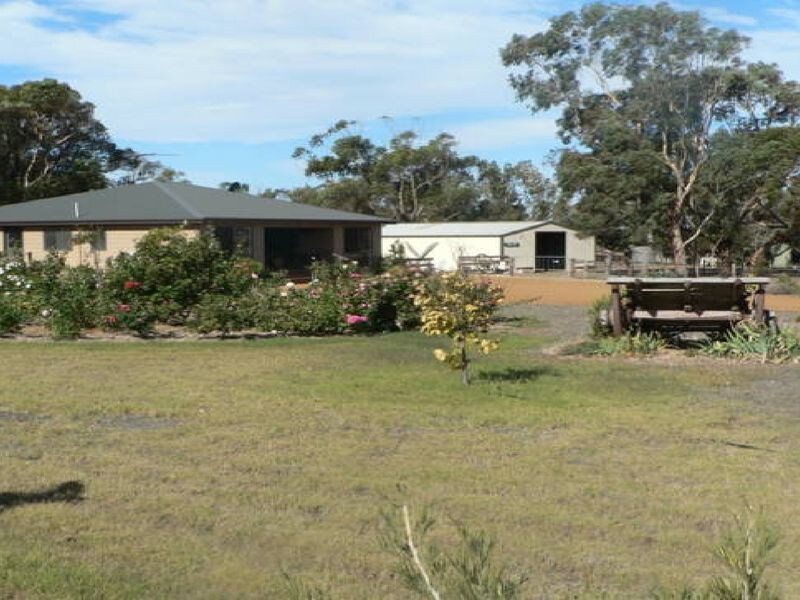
411 179
51 143
642 91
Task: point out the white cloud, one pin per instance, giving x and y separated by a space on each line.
259 70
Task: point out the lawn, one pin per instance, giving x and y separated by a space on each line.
212 467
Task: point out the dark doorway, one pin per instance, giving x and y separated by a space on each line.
295 249
551 250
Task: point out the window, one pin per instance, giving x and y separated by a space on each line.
59 240
12 240
235 239
357 239
98 240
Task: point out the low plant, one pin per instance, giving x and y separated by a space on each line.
75 303
12 315
631 344
468 571
752 341
598 321
744 553
460 308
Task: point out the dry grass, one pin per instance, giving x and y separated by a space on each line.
211 467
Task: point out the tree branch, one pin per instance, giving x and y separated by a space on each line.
415 556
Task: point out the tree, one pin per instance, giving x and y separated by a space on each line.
753 181
656 83
139 168
51 143
235 186
410 180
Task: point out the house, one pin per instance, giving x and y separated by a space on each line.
92 226
534 245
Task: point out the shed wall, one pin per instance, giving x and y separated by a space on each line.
445 250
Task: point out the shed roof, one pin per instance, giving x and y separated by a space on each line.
460 228
167 203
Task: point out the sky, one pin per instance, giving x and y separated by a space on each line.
224 90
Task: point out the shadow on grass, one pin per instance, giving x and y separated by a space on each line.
67 492
515 375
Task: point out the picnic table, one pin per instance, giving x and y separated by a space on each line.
682 304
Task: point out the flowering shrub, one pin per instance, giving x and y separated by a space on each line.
179 280
74 302
169 273
460 308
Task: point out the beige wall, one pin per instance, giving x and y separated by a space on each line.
579 249
520 246
124 240
444 251
117 241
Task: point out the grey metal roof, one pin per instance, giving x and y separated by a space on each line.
460 228
167 203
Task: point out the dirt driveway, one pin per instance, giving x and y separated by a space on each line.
562 291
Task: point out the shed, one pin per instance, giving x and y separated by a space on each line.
282 235
534 245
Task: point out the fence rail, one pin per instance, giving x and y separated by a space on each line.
603 269
485 264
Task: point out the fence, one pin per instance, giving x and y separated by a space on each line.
484 264
603 269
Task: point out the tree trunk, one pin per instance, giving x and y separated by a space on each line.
465 379
678 247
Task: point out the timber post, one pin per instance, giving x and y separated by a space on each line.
616 311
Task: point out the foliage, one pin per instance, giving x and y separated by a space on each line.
168 274
51 143
74 305
751 341
643 89
744 552
468 572
598 321
631 344
751 184
12 315
461 308
410 180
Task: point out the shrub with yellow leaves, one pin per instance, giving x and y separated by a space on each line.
460 308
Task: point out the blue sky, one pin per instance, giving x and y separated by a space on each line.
225 90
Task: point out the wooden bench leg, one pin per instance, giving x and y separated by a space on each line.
758 306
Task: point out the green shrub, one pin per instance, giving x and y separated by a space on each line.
468 570
74 306
224 313
168 275
12 315
744 553
632 344
751 341
598 322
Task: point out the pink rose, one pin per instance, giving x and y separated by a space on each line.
355 319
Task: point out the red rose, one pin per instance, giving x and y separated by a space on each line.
111 319
132 285
124 307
